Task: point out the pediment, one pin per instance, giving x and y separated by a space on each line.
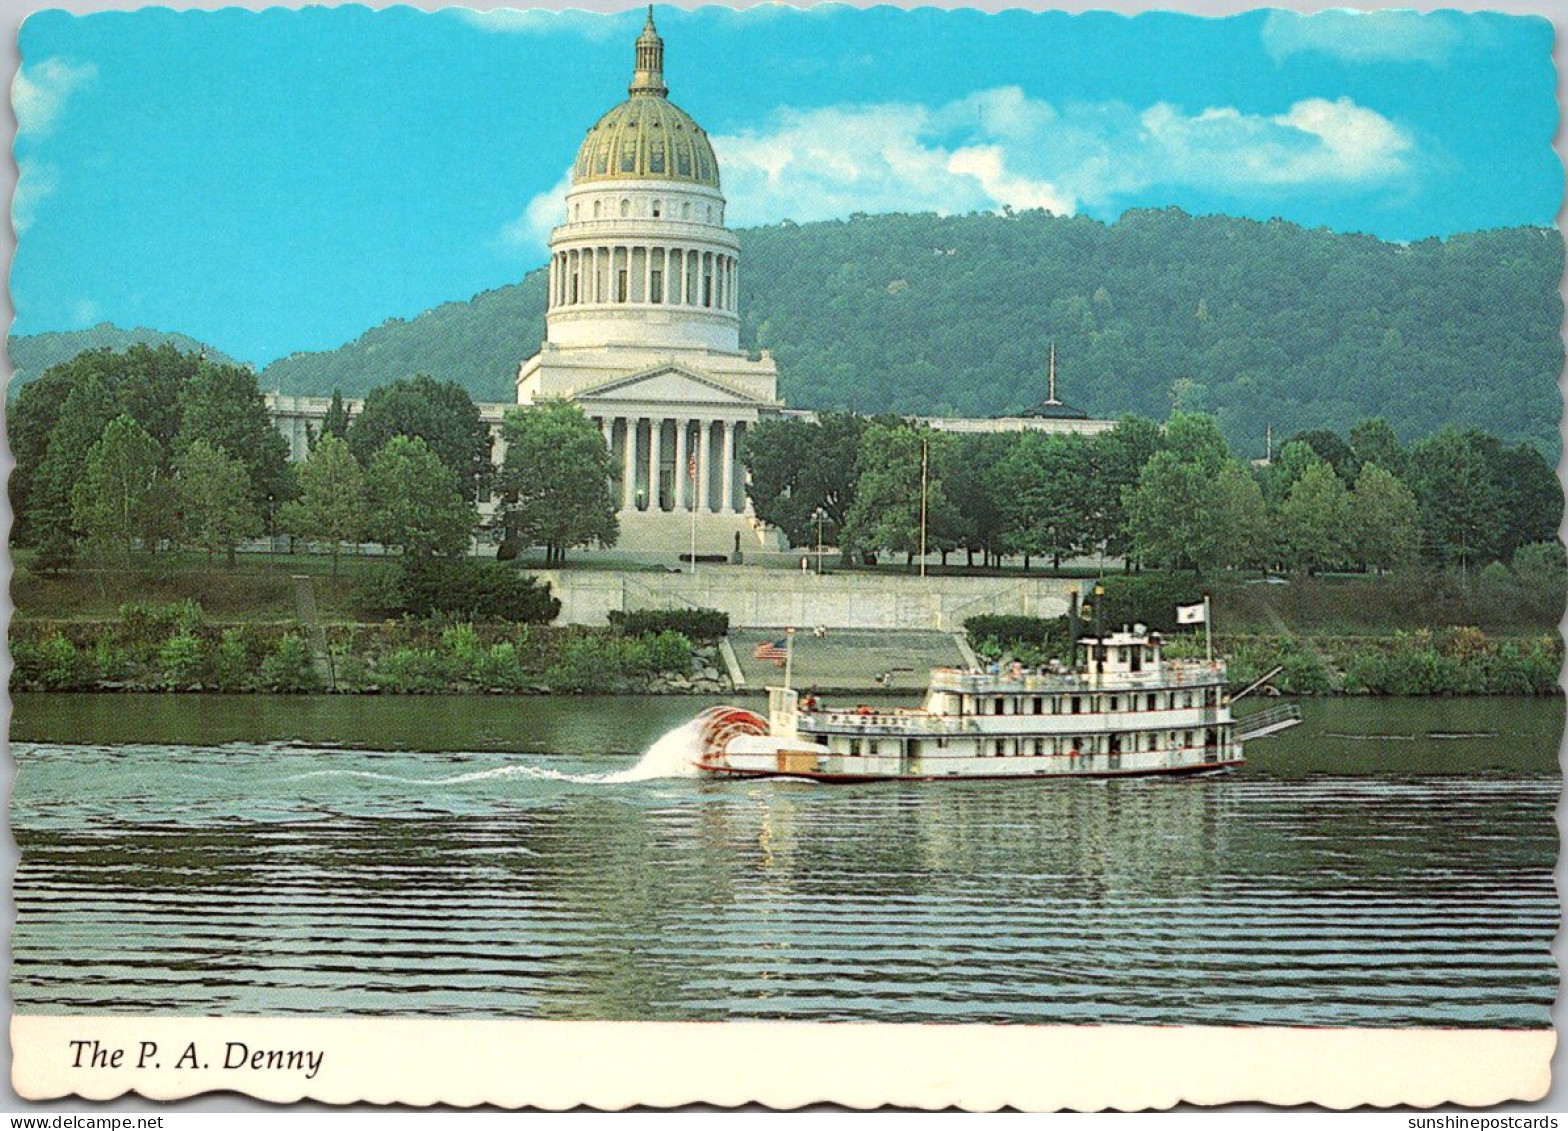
673 383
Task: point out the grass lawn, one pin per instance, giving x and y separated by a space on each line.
260 587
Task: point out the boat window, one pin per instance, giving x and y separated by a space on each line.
1077 704
1151 701
1039 705
1114 702
854 748
1001 705
1039 747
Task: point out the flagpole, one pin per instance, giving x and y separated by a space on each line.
1208 631
924 452
691 491
789 654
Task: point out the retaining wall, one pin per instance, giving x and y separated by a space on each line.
774 598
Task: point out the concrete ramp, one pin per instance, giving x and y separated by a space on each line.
849 660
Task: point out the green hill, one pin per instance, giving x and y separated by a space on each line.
31 354
478 343
1258 323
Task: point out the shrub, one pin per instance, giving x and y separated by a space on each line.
54 663
183 660
147 623
111 661
667 652
694 624
379 592
234 665
1148 598
1031 639
413 670
290 666
500 668
588 664
457 587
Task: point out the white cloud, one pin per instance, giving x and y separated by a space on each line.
39 93
1361 37
35 180
596 27
531 230
85 312
999 147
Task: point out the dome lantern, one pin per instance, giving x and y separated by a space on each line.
648 78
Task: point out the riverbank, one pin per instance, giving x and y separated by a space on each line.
172 648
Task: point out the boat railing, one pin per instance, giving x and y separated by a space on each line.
1172 673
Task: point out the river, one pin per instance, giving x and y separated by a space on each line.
1390 862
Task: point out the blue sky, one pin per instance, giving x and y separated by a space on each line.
283 180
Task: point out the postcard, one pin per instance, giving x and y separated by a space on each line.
779 556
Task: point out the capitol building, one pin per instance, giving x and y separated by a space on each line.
642 330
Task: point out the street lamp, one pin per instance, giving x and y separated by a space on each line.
819 517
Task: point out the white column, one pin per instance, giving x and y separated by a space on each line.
629 466
647 274
607 430
727 485
704 462
680 466
655 438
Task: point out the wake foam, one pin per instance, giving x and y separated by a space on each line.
672 756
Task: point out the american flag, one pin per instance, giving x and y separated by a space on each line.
776 651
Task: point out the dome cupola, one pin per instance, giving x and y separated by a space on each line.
647 137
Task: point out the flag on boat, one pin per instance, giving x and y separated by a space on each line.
691 469
776 651
1190 614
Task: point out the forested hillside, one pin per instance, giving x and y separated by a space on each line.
478 343
1256 323
31 354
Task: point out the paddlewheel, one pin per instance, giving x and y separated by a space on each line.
719 725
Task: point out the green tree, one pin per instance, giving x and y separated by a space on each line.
1385 522
1195 439
1287 467
335 423
215 499
1044 487
1330 449
110 503
1374 441
1118 459
968 468
1461 505
441 414
1167 519
332 505
885 517
416 501
1314 518
1532 498
798 467
222 406
555 480
1243 535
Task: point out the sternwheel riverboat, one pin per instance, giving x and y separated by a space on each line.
1122 710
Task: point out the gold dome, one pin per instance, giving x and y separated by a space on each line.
647 137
